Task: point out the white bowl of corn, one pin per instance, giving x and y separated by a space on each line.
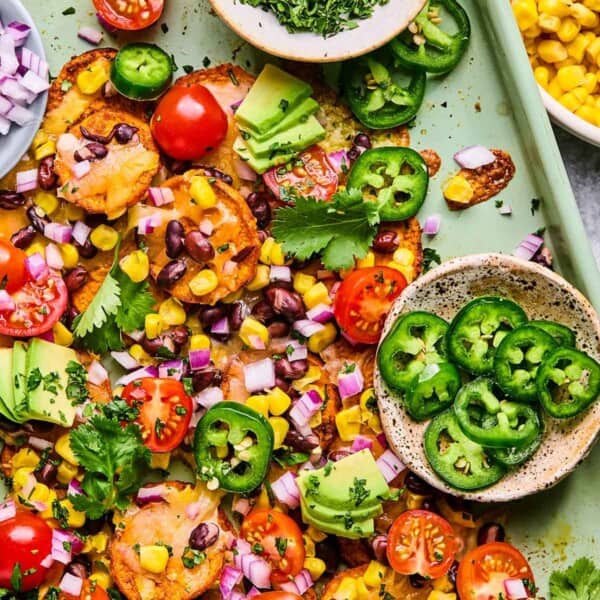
562 39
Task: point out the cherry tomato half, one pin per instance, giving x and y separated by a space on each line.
129 15
12 266
482 572
38 306
363 301
310 174
421 542
165 411
188 122
278 537
29 539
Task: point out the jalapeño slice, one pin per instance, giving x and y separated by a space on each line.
563 336
433 391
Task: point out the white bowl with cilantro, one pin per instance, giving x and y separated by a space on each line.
256 22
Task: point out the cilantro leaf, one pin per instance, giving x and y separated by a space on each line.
103 339
114 459
105 303
581 581
136 302
340 230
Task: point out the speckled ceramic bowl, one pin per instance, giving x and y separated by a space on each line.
543 295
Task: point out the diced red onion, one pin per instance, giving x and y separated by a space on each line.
48 336
474 157
259 375
220 327
242 506
105 24
137 335
209 397
36 266
8 58
125 360
12 88
147 225
4 125
280 273
229 267
253 592
321 313
150 371
199 359
39 443
206 227
334 288
171 369
47 562
352 383
74 488
301 583
146 495
256 342
307 328
27 180
71 584
96 373
64 544
286 490
31 61
7 304
54 258
382 440
18 31
515 589
8 510
298 351
27 488
243 170
390 465
305 408
256 569
19 115
34 83
528 247
432 224
57 232
230 577
339 161
159 196
81 169
91 35
361 442
505 209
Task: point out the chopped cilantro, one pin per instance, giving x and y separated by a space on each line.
430 258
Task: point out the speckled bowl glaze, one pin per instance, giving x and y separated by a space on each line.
543 295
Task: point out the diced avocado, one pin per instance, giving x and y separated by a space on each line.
295 139
47 382
19 377
345 526
260 165
297 115
273 94
348 484
7 397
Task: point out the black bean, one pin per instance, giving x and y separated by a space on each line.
278 329
243 254
38 218
236 316
206 378
210 315
386 241
98 150
174 238
11 200
353 153
171 273
301 443
379 545
47 178
338 454
198 247
362 140
76 278
95 137
155 345
260 208
179 335
329 554
416 485
87 249
417 581
291 370
6 425
124 132
490 532
178 167
24 237
93 526
204 535
84 153
80 566
262 311
286 303
217 174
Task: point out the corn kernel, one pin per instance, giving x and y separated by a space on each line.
204 282
558 8
153 326
590 82
570 77
315 566
36 248
315 420
526 13
374 574
62 335
69 254
570 101
552 51
259 403
263 499
25 457
45 150
66 471
21 477
346 590
280 430
261 279
367 261
90 80
542 76
374 423
347 422
271 253
252 329
74 212
136 265
279 401
533 32
172 312
414 501
313 374
303 282
443 584
317 294
141 355
584 16
309 546
95 543
75 518
63 449
315 534
154 558
40 493
568 30
548 23
437 595
592 4
581 94
458 189
46 201
102 579
41 137
202 192
367 403
576 49
160 460
320 340
587 113
104 237
199 341
554 89
47 513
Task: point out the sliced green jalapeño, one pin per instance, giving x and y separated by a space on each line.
563 336
432 391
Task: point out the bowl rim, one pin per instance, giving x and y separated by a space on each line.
423 470
41 101
275 50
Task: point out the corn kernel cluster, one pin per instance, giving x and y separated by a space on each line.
562 38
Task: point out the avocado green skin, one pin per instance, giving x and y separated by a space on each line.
19 380
7 397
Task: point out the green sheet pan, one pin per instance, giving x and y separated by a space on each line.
491 99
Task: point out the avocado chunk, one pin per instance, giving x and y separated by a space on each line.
273 94
295 139
293 117
47 382
260 165
343 526
19 377
7 397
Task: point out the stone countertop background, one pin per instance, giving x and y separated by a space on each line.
583 166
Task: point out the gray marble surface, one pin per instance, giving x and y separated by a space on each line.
583 166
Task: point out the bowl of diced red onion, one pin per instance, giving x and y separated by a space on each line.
23 83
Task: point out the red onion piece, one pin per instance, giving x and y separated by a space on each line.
18 31
81 232
105 24
474 157
301 583
278 273
36 267
199 359
8 57
8 509
256 569
259 375
150 371
7 304
209 397
256 342
39 443
382 440
4 125
54 258
305 408
242 506
47 562
34 83
229 267
147 225
339 161
74 488
19 115
27 488
91 35
389 465
361 442
57 232
27 181
159 196
350 382
206 227
321 313
71 584
505 209
146 495
432 225
81 169
286 490
306 327
296 351
528 247
171 369
30 61
125 360
97 373
221 327
230 577
515 589
243 170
